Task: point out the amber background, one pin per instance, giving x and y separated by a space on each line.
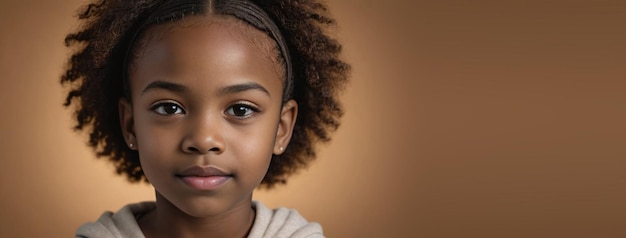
464 119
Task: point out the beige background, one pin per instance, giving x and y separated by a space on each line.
464 119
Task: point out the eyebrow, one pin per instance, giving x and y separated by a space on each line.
237 88
232 89
167 86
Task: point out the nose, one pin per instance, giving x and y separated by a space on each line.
203 135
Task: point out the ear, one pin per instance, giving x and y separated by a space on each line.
288 116
127 122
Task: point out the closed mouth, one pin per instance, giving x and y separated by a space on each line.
203 171
204 178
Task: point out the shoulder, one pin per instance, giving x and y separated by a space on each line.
122 223
282 222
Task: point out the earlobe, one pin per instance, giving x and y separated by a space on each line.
286 123
127 122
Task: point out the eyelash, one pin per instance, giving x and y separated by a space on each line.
162 107
250 110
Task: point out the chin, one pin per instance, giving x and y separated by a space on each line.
206 207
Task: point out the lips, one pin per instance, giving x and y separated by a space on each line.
200 171
204 178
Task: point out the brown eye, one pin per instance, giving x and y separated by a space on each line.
241 110
167 108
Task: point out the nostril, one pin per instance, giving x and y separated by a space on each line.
193 149
196 150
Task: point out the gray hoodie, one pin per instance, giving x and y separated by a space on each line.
281 222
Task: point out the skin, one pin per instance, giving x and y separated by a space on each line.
205 95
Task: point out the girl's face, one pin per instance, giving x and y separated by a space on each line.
206 112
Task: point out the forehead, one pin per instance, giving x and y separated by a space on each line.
192 33
202 53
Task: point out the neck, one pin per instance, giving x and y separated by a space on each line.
167 220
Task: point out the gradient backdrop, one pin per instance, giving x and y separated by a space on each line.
464 119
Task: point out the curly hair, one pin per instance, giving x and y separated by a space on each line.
95 71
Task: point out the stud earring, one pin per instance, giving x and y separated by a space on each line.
130 145
281 148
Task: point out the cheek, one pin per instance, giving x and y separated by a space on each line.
152 133
155 144
254 146
154 139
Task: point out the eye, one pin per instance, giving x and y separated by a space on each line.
241 110
167 108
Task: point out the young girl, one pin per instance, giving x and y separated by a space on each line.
206 100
